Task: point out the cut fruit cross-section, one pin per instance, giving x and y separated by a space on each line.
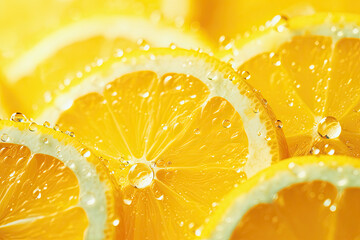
52 187
308 70
177 129
300 198
52 66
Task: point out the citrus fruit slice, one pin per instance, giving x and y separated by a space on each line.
177 129
52 187
307 197
56 62
225 19
307 69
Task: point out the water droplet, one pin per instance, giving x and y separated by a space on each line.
301 174
172 45
37 193
196 131
33 127
46 124
85 152
145 95
18 117
5 137
45 140
226 123
331 152
143 44
160 163
198 232
327 202
116 222
291 165
191 225
329 128
212 76
275 59
127 201
56 127
245 74
342 182
278 124
332 208
314 151
140 175
280 22
226 43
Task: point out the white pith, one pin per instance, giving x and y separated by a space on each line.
260 156
272 40
266 189
89 182
130 28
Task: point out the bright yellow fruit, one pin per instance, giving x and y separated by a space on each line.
177 129
308 70
299 198
55 64
52 187
233 17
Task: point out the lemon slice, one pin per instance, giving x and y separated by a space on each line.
300 198
177 129
306 67
55 63
52 186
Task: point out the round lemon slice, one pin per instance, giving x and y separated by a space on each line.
306 68
52 187
33 78
177 129
299 198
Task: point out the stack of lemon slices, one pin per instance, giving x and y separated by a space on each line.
146 134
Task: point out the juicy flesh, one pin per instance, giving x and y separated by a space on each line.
38 197
310 210
194 145
60 72
307 79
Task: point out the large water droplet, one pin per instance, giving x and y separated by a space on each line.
140 175
329 128
18 117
